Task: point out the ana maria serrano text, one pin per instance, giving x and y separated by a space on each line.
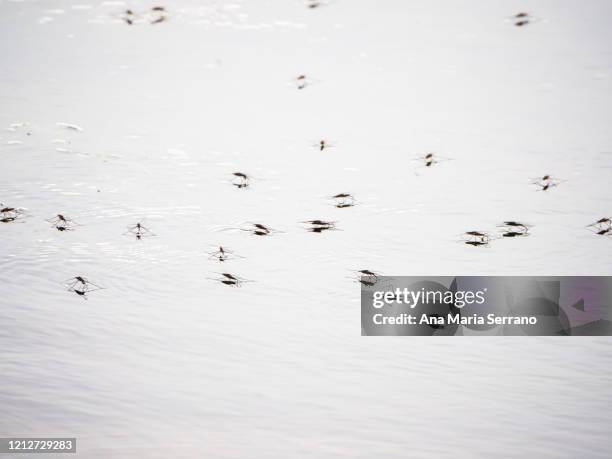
458 299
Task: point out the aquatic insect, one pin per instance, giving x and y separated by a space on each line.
262 227
139 231
128 17
259 229
230 279
516 224
160 10
602 227
301 81
546 182
343 200
430 159
220 254
367 277
81 286
312 4
514 229
156 15
10 214
223 254
476 238
521 19
241 180
61 223
318 226
322 145
605 222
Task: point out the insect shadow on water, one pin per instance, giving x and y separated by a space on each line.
223 254
230 279
512 228
318 226
139 231
476 238
81 286
62 223
343 200
602 227
546 182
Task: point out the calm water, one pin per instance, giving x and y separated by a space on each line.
165 362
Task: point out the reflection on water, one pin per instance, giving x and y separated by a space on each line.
388 131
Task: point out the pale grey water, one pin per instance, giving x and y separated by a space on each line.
167 363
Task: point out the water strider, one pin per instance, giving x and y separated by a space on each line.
301 82
230 279
429 159
223 254
511 228
81 286
241 180
602 227
139 231
343 200
546 182
367 277
259 229
62 223
318 226
476 238
10 214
